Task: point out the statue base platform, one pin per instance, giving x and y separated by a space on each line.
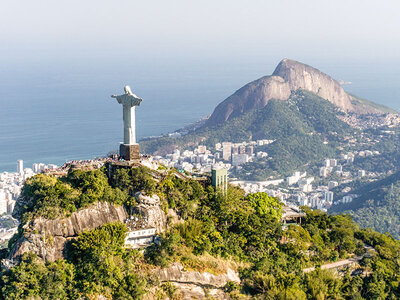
129 152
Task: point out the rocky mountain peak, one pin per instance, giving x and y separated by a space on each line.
288 76
302 76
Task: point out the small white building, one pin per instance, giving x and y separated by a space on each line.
307 188
347 199
140 238
261 154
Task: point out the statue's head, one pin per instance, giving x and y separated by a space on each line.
127 89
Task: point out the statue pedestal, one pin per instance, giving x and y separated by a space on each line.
129 152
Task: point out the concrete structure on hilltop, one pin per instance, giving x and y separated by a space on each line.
140 238
292 214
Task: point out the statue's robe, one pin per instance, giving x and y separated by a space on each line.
129 102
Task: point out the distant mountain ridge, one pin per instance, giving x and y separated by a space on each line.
289 76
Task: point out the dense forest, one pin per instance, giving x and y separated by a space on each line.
377 205
215 230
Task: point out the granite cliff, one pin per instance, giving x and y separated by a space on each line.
195 284
48 238
288 76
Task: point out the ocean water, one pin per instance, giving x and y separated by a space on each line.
51 113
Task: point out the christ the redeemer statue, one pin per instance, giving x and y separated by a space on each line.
129 101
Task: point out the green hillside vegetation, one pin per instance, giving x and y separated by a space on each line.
52 197
300 125
377 206
241 231
357 101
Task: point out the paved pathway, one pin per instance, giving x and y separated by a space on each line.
344 262
337 264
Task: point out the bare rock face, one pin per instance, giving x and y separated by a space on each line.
47 238
253 95
176 273
149 207
196 285
288 76
302 76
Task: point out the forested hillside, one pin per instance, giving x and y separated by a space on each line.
377 205
213 231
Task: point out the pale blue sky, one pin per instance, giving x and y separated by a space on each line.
144 30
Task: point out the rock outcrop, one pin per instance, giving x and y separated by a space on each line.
196 285
253 95
150 208
288 76
47 238
176 273
302 76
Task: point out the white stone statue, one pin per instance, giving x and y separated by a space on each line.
129 101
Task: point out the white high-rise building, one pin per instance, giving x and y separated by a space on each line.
36 168
10 206
314 201
3 202
327 163
226 151
20 166
329 197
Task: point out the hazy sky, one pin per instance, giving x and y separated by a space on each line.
60 60
48 30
